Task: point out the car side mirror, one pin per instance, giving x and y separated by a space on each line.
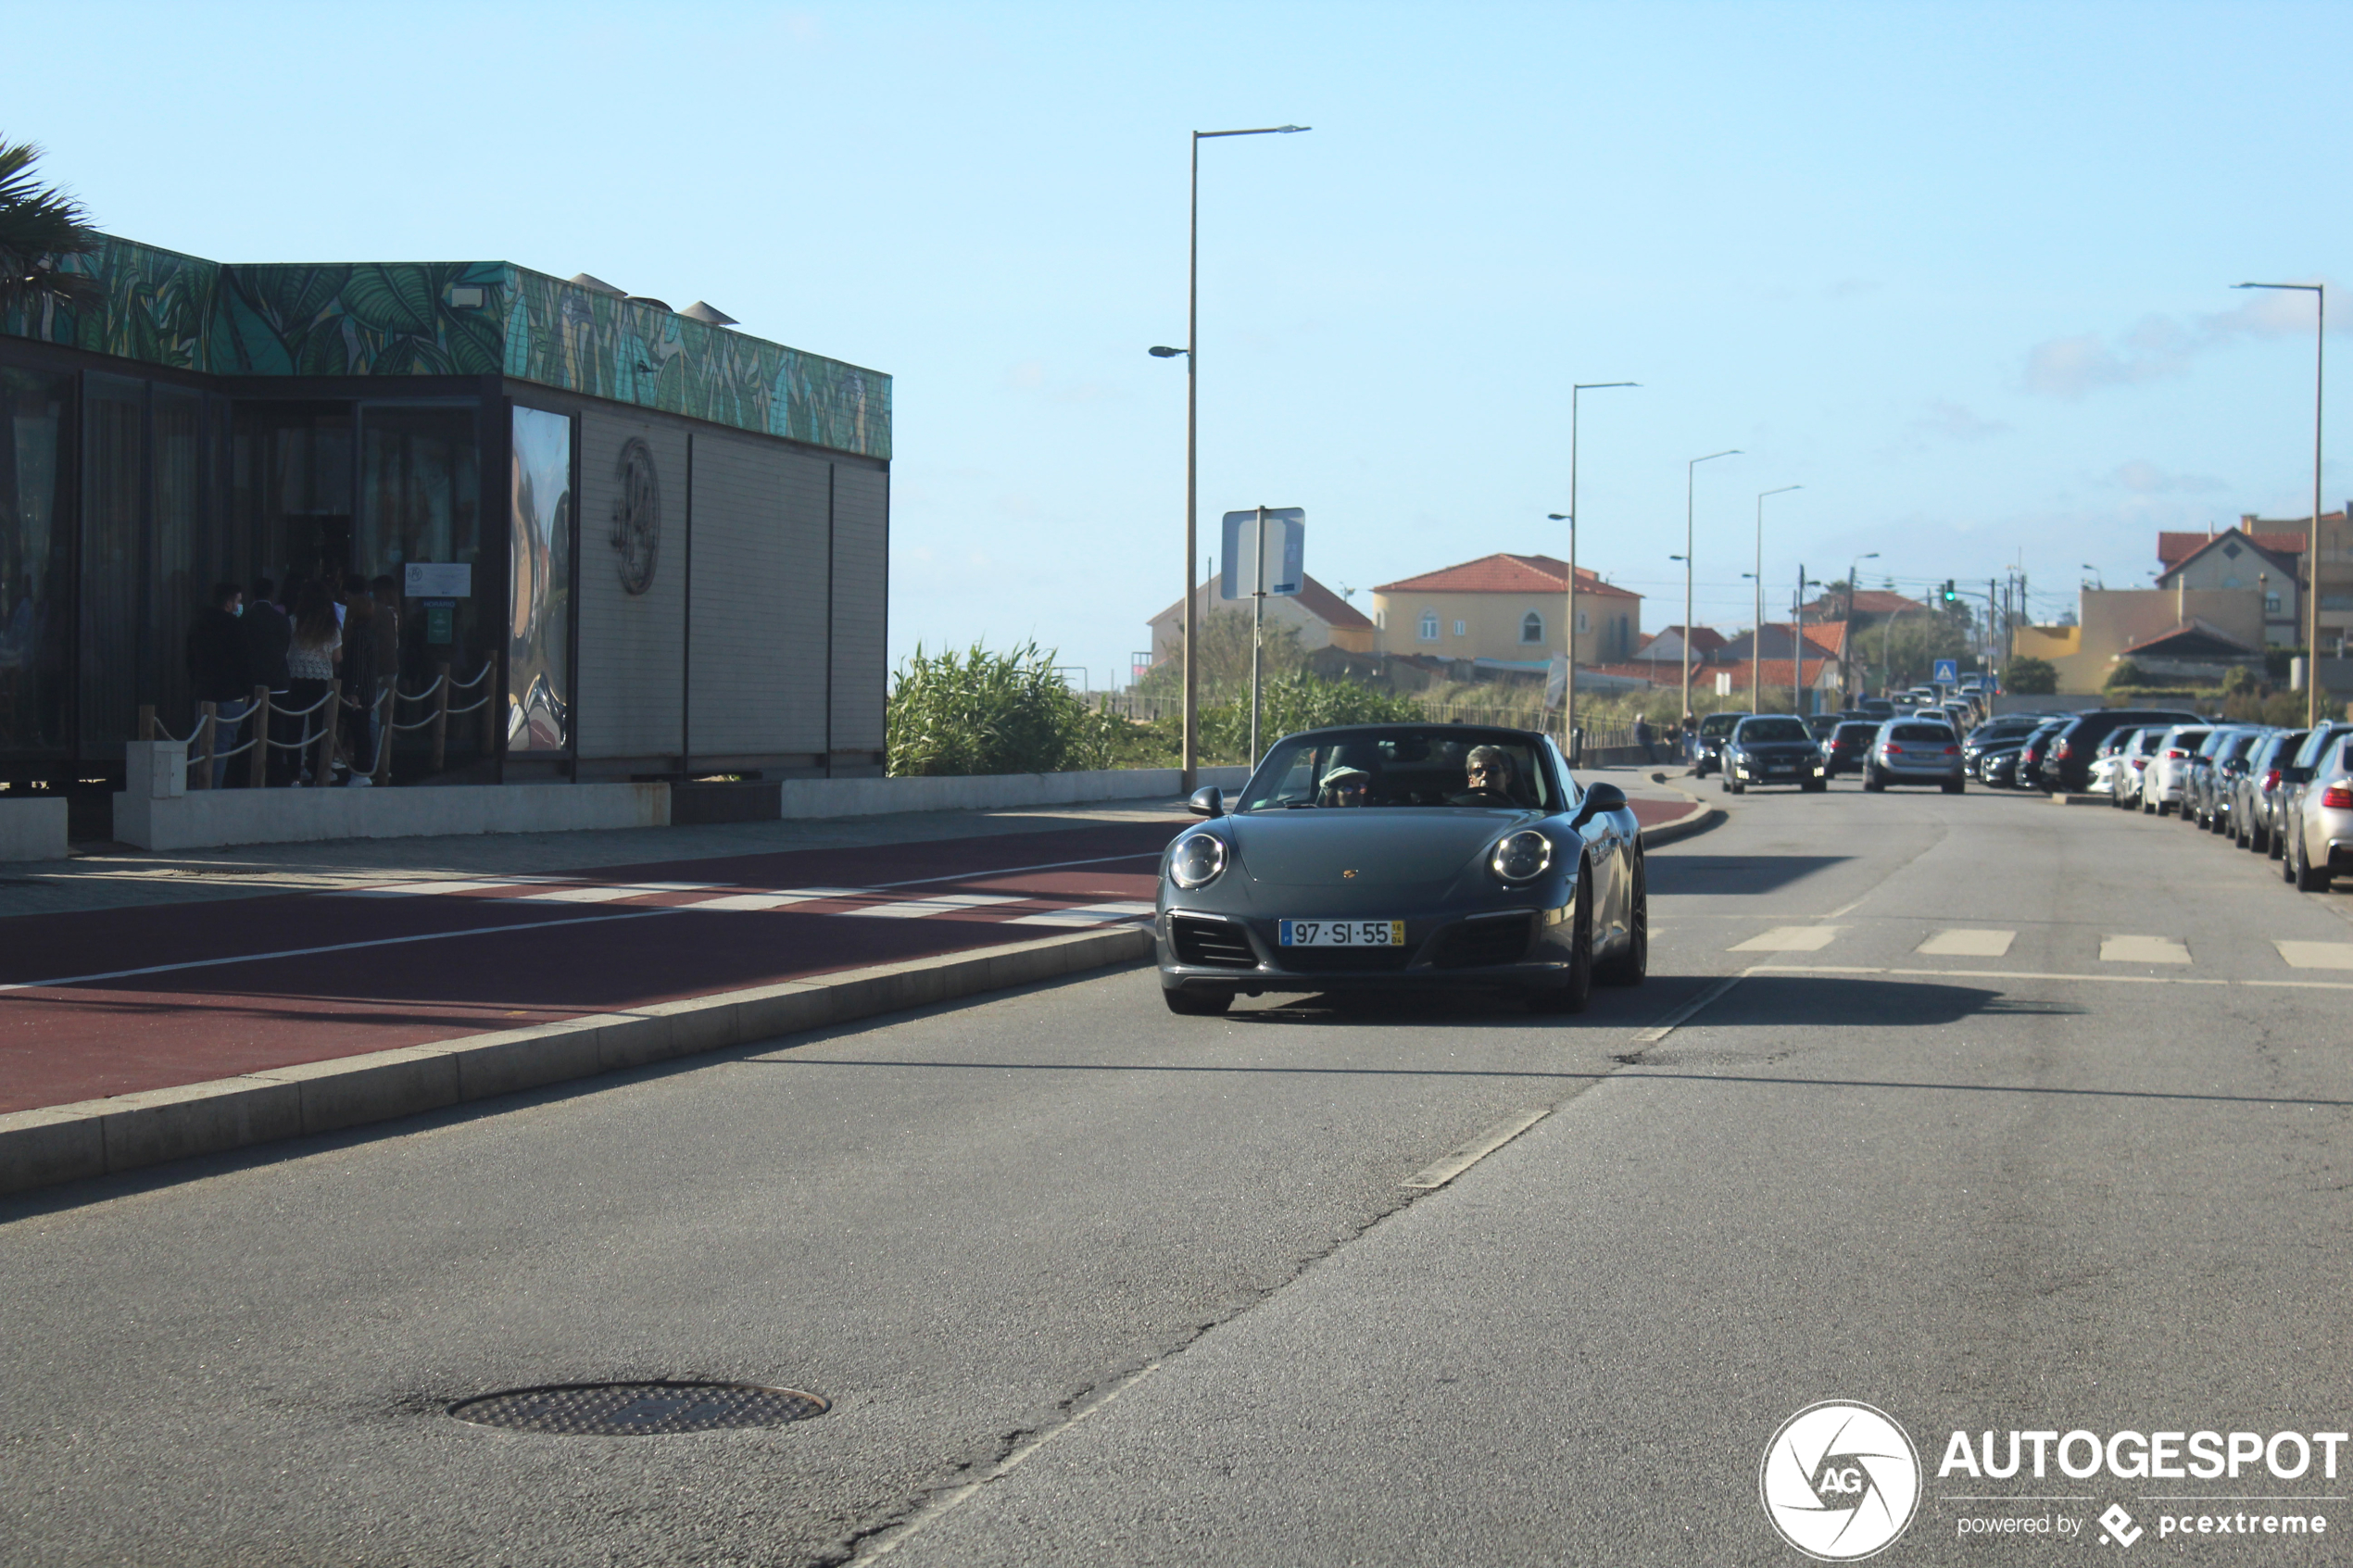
1208 801
1599 797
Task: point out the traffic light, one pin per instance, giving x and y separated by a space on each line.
1950 597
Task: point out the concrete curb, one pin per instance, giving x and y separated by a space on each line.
96 1138
1698 820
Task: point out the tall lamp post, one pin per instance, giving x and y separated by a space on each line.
1689 470
1190 757
1568 693
1757 642
2313 548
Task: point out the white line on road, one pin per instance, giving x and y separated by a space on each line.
779 900
2142 950
946 904
1969 944
1471 1153
1092 914
2031 974
1668 1025
2317 955
1789 939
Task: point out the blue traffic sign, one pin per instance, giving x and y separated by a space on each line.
1948 672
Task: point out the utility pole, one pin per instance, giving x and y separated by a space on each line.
1798 643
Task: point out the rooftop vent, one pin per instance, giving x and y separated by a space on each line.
648 299
704 310
595 285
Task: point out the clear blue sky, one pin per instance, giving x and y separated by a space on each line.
1961 271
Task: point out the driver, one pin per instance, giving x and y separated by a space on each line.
1488 778
1345 786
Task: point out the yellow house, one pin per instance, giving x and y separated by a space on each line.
2112 622
1507 608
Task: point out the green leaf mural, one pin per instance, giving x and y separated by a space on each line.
400 318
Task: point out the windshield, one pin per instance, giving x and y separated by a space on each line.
1719 723
1855 735
1760 729
1406 766
1918 731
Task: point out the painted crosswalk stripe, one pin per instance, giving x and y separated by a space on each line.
614 893
1085 915
2142 950
781 899
2317 955
1789 939
945 904
448 885
1960 944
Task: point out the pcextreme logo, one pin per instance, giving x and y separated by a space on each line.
1840 1481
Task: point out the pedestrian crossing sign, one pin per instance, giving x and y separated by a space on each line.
1948 672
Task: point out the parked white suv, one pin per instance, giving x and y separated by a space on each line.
2169 765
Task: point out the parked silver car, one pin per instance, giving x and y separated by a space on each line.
2258 795
2169 768
2131 765
1915 751
2216 768
2315 814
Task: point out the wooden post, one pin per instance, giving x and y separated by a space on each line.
257 726
207 741
324 773
441 721
147 721
384 712
490 683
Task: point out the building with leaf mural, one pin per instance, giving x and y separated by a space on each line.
665 540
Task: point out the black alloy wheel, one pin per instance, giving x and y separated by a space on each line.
1576 993
2308 878
1631 966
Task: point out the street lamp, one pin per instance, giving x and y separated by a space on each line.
1189 757
2312 549
1757 643
1689 470
1568 693
1846 641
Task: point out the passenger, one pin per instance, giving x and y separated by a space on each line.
1345 786
1488 778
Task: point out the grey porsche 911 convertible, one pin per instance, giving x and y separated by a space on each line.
1386 855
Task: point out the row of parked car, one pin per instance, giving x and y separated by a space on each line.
1914 740
2285 792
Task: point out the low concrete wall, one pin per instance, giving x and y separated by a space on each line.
874 797
150 815
34 829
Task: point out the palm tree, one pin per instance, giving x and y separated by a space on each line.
38 226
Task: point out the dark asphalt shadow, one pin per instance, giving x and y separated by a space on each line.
1732 874
1846 1001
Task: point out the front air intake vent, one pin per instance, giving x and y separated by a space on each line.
1216 943
1477 943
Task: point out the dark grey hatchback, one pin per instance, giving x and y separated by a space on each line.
1774 749
1388 857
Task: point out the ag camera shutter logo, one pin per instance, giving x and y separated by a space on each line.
1840 1481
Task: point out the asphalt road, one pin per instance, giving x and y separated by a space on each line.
1089 1283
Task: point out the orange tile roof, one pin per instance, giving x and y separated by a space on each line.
1506 574
1776 672
2173 548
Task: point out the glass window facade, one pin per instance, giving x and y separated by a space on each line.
539 583
36 557
114 635
419 501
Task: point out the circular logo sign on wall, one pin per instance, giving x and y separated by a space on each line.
636 515
1840 1481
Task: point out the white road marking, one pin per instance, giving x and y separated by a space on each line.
2317 955
419 889
946 904
1789 939
1471 1153
2142 950
1847 909
615 893
780 899
1969 944
1667 1025
1085 915
2035 974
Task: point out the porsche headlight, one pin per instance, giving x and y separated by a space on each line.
1521 856
1197 860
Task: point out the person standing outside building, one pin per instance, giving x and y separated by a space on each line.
218 669
358 671
1691 741
267 632
310 664
1645 737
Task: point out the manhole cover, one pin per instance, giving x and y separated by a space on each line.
638 1410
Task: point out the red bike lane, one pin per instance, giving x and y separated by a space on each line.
110 1002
